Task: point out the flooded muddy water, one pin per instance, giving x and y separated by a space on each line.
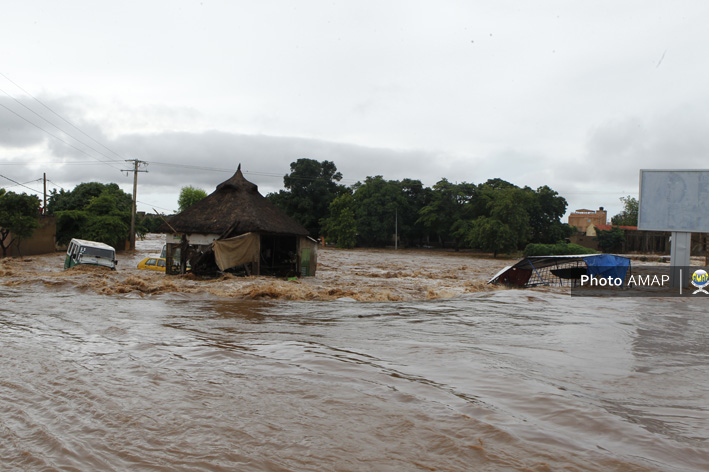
384 362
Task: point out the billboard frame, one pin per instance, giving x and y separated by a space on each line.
700 226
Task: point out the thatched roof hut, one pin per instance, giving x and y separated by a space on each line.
235 207
236 226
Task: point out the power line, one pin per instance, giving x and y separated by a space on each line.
57 137
52 124
62 188
187 166
22 185
60 117
155 206
69 163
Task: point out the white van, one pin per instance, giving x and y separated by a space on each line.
81 251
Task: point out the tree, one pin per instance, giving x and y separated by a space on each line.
149 223
341 225
189 196
629 215
19 215
309 189
416 196
611 240
545 209
449 203
505 226
491 234
377 202
82 194
94 211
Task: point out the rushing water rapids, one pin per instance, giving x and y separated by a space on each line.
178 379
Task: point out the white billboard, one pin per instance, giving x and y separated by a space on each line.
674 200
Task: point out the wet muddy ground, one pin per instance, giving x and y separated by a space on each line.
359 274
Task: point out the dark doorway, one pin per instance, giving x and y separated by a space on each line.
279 255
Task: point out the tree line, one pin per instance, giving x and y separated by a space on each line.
91 210
495 216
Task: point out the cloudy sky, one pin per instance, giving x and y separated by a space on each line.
575 95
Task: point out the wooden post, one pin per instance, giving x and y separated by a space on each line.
135 171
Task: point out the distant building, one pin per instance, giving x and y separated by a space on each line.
583 218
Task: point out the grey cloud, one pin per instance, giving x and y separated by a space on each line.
261 154
616 150
16 129
177 159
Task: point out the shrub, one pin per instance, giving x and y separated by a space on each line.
559 249
612 240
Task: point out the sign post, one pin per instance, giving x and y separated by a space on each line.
673 200
680 250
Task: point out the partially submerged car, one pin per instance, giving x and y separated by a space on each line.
81 251
152 263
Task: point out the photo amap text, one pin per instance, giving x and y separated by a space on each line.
634 280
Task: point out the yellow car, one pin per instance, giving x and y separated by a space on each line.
152 263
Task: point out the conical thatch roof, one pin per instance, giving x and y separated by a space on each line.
235 207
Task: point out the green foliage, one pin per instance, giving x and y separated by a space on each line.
189 196
70 224
448 204
309 189
611 240
82 194
491 234
501 217
107 229
559 249
19 215
629 215
148 223
504 224
510 210
94 211
341 225
496 215
376 207
415 197
545 209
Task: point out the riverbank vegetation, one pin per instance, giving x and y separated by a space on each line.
494 216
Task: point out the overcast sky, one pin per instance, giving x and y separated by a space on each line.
575 95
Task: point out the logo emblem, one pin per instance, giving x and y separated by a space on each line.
700 279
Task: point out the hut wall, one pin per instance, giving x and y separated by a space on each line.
307 256
198 239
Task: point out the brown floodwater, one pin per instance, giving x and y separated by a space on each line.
385 361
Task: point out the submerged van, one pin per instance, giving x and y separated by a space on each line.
81 251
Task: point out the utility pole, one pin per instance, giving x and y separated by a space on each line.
135 171
44 208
